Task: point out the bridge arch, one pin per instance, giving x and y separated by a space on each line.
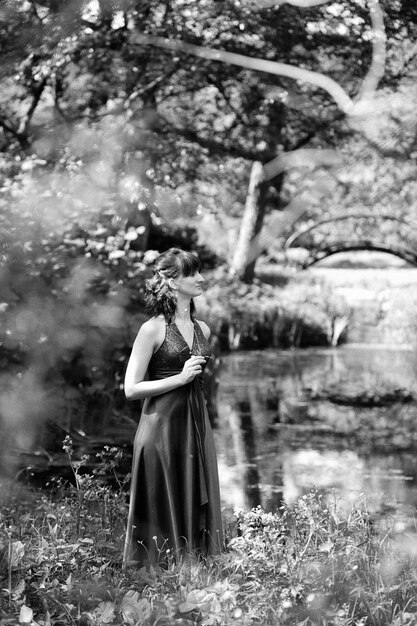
354 231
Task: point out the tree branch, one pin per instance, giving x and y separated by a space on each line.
337 92
37 93
304 157
348 106
295 3
377 68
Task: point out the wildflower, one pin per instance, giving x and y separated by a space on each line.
228 595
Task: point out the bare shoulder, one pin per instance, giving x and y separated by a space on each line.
154 324
152 330
204 328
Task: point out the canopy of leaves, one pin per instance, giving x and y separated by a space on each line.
104 120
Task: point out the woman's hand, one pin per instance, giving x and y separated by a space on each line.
192 368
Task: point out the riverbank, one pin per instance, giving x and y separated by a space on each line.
304 564
321 306
280 310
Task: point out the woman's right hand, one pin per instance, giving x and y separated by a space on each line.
192 368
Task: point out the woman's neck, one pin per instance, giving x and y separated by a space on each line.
183 310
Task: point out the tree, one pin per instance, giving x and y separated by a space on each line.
167 130
254 209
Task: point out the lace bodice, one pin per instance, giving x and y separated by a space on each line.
169 359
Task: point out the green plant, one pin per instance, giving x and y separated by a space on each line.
305 564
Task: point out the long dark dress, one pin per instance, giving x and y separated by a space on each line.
174 493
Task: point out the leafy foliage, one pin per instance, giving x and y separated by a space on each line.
299 312
308 563
311 565
140 122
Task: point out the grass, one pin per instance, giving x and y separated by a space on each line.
305 564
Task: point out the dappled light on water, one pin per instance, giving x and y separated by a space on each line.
340 421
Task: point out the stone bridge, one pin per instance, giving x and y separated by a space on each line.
354 231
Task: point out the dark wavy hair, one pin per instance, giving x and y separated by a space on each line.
160 298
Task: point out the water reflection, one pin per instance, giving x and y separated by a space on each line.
342 421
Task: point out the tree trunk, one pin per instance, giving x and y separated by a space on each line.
243 262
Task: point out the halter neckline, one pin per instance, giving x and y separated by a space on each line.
183 338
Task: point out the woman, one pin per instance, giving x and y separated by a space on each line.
174 500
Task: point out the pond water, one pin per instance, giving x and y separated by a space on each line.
342 421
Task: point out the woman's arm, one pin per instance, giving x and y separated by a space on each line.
149 337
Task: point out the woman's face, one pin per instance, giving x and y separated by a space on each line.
190 286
